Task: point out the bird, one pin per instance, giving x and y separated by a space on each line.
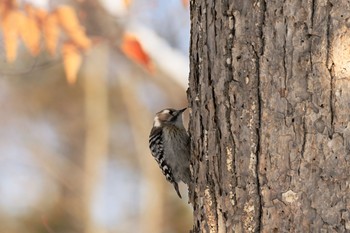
169 144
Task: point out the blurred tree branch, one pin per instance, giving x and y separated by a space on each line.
97 125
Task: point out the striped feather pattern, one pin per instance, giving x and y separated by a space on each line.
157 149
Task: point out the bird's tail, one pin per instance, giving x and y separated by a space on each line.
176 186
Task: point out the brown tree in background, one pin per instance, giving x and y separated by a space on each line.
270 98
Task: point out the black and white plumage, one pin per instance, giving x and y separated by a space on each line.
169 144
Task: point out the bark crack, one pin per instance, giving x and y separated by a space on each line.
331 101
330 66
313 9
304 139
258 147
285 55
216 159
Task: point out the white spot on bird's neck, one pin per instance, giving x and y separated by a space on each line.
156 122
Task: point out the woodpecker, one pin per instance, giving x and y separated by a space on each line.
170 146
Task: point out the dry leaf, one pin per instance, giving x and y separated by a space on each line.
51 33
2 8
67 17
80 39
71 61
127 3
133 49
40 15
70 24
30 32
185 3
7 5
10 23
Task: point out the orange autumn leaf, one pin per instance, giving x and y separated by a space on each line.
29 9
127 3
133 49
40 15
69 22
185 3
80 39
30 32
51 33
3 8
10 29
71 61
7 5
67 17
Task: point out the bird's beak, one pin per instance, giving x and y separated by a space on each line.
182 110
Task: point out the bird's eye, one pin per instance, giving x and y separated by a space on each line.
171 112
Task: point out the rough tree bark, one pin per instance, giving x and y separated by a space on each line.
270 98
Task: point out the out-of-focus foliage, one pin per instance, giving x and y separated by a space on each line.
185 3
133 49
75 158
33 23
71 60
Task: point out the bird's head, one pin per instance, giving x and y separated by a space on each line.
169 116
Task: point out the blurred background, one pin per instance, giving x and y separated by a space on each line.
74 155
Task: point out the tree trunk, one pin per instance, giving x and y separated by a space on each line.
270 132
